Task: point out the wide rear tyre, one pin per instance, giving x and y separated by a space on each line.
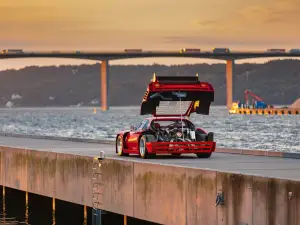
204 155
119 147
143 152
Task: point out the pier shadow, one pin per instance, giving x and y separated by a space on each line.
39 210
17 209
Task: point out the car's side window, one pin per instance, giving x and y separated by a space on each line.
142 125
145 125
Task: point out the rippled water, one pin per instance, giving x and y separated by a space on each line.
268 132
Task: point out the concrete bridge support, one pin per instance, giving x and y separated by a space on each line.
229 82
104 80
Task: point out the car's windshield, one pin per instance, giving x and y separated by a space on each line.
142 125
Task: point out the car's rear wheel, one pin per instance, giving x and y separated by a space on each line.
204 155
119 147
143 148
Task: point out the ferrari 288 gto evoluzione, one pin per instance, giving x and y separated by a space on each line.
170 100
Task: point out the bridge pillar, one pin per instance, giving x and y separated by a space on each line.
104 79
229 82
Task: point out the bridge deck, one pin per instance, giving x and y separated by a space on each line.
255 165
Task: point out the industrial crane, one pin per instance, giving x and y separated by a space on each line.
259 103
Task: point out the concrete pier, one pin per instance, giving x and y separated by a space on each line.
165 194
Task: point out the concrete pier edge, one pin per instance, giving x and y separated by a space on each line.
266 153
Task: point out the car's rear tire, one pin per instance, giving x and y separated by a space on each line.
143 152
119 146
204 155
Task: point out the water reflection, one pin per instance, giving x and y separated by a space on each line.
4 218
18 207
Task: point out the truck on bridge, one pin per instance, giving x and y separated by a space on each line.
7 51
133 50
190 50
221 50
275 50
295 50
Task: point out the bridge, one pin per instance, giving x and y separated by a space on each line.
254 187
105 57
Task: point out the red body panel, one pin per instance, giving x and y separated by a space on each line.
181 147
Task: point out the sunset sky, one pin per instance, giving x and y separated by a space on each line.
147 24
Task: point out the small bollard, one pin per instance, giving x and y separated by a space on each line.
102 155
101 158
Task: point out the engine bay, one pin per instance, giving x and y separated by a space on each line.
173 131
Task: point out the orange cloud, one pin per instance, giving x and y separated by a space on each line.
269 22
148 23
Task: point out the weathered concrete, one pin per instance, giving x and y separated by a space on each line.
160 193
118 186
165 194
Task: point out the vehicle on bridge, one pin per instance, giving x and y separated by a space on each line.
133 50
8 51
188 50
221 50
274 50
295 50
170 100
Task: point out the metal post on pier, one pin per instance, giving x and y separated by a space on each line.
97 189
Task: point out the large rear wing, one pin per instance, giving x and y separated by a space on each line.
177 80
178 89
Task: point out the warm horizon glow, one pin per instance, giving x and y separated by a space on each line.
149 24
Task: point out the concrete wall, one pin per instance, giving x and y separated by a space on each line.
162 194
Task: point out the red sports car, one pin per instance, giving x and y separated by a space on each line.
170 100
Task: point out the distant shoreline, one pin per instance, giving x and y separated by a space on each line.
92 107
68 86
